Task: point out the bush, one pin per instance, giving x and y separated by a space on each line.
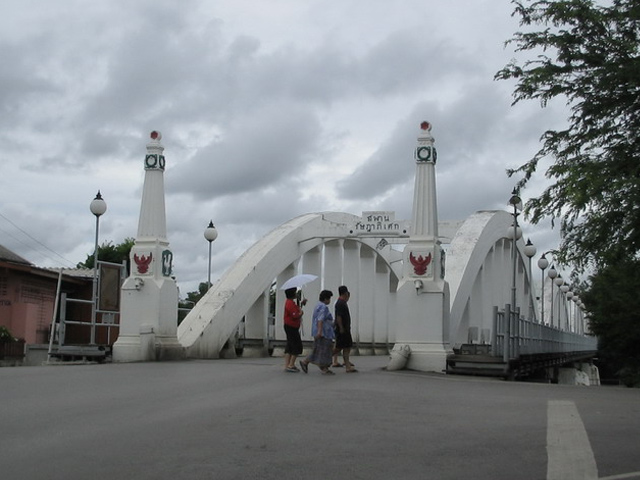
630 375
5 335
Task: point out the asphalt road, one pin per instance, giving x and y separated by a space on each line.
247 419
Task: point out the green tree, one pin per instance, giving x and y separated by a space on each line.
108 252
192 298
5 335
588 56
613 305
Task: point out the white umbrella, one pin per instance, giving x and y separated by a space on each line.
298 281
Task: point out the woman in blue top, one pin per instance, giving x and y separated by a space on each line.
323 335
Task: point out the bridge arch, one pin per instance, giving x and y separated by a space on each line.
480 275
319 243
479 269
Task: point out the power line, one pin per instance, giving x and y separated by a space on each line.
36 241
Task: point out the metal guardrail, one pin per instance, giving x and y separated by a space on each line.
12 349
527 337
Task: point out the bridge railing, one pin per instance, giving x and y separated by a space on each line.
527 337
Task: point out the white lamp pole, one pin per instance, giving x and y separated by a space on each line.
530 251
98 206
558 281
552 274
564 288
576 313
210 234
515 233
543 263
571 320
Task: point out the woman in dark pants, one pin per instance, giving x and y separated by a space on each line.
292 318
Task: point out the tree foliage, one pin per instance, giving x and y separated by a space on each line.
192 298
195 296
614 316
107 252
586 54
5 335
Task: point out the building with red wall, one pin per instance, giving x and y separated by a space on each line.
27 299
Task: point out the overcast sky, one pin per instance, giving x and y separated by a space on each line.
269 109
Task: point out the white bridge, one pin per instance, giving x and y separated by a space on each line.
365 253
454 296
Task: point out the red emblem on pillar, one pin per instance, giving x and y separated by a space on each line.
143 262
420 264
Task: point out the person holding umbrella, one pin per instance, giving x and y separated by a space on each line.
292 318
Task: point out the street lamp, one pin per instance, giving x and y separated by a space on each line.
564 288
543 263
558 281
576 300
552 274
210 234
571 322
530 251
516 202
98 206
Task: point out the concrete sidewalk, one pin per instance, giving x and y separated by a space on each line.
248 419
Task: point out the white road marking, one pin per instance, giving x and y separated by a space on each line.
622 476
569 452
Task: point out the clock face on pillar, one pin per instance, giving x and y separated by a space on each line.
154 161
150 161
426 154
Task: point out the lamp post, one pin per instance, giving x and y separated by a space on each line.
576 313
210 234
570 321
98 206
553 273
558 281
515 233
564 288
530 251
543 263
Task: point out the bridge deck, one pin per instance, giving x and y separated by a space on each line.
246 418
523 366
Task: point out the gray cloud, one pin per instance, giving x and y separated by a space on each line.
259 150
266 113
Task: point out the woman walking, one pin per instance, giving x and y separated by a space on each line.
323 335
292 318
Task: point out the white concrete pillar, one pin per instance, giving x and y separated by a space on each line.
351 278
149 296
256 326
312 264
381 308
423 295
366 300
333 266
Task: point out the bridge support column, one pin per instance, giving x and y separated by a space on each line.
423 302
366 303
423 325
256 328
149 312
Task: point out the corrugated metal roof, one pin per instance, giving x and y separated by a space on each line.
9 256
74 272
